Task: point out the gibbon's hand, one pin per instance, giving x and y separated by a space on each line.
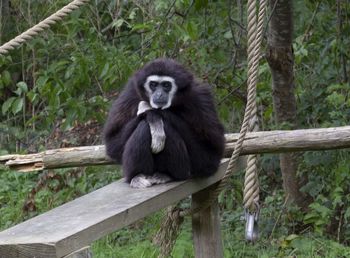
143 107
156 126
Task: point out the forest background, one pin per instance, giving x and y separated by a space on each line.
55 91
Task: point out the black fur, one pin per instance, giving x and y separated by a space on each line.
194 136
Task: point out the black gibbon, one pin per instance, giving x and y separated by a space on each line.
164 126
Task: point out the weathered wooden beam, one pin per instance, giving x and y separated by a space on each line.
84 252
57 158
206 226
78 223
256 142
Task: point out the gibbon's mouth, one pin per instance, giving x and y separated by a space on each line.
160 104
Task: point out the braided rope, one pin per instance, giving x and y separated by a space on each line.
251 182
35 30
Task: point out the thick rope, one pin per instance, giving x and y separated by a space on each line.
254 40
45 24
251 182
166 238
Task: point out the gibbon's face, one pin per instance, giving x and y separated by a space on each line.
160 91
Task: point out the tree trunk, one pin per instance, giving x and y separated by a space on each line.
4 15
281 60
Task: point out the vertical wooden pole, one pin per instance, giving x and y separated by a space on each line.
206 227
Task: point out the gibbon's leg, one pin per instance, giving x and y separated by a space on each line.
158 139
203 157
115 142
173 160
137 156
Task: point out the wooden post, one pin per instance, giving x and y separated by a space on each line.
206 226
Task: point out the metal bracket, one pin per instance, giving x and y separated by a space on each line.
251 226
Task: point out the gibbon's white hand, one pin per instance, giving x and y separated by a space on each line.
156 127
143 107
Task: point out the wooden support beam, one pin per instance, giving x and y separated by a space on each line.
84 252
256 142
206 226
76 224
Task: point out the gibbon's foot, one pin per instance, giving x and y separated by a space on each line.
143 181
140 181
159 178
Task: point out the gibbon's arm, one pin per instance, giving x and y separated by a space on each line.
200 115
121 122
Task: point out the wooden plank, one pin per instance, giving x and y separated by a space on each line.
36 250
255 142
206 226
85 252
78 223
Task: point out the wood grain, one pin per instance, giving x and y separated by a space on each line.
255 142
206 226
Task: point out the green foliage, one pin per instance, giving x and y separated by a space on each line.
69 75
328 184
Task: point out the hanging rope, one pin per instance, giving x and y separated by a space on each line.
45 24
166 236
251 183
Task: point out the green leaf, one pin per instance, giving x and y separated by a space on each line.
18 92
140 26
132 14
23 86
228 34
192 30
17 105
41 81
6 106
291 237
104 70
69 71
6 78
33 97
118 23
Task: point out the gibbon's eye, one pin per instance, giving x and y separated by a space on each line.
153 85
166 86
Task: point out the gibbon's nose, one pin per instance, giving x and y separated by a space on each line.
160 98
159 94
